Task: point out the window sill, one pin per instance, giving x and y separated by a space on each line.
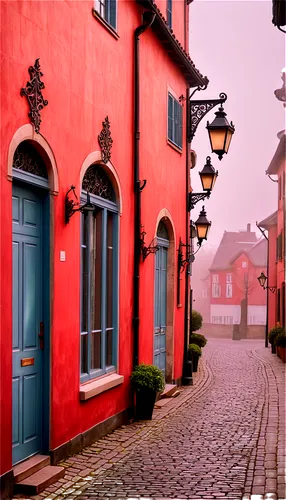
104 23
96 387
176 148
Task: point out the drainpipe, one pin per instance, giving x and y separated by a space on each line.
187 364
148 18
267 291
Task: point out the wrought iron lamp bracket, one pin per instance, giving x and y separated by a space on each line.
181 261
273 289
71 206
194 198
144 249
198 109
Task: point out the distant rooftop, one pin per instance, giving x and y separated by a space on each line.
231 245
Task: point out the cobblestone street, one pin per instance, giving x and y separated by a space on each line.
221 438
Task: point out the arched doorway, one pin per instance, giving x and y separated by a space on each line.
160 299
31 309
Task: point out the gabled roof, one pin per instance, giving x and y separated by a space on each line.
232 243
271 220
257 254
173 47
279 155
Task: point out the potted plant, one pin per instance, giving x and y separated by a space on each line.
280 343
147 381
194 353
199 339
272 336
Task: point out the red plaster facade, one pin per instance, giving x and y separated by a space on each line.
275 226
88 74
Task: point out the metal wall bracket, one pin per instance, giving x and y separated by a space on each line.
198 109
194 198
144 249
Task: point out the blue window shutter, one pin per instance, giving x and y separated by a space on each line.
180 125
112 13
170 117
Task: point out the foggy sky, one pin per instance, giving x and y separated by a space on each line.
235 44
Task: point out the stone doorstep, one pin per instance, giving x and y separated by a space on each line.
168 391
30 466
39 481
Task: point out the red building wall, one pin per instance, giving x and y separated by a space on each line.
88 74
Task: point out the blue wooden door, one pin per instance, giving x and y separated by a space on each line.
27 316
160 316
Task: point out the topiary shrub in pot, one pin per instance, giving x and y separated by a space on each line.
196 321
272 336
199 339
280 343
194 353
147 381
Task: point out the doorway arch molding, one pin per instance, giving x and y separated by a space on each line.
166 217
27 133
95 158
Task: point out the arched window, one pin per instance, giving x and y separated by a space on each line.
99 276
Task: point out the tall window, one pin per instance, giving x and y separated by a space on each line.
169 13
107 10
228 290
99 277
175 121
215 290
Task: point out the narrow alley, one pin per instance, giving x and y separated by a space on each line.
223 437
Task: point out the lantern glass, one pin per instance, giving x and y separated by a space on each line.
220 133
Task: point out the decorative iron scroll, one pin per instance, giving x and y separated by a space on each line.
28 159
33 92
105 141
198 109
97 182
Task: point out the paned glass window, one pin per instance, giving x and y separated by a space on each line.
216 290
229 278
215 278
175 121
99 279
107 10
228 290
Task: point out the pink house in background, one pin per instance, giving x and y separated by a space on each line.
238 262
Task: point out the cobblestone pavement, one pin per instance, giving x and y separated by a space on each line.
221 438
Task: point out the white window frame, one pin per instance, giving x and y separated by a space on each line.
215 278
244 263
228 291
102 7
216 291
228 277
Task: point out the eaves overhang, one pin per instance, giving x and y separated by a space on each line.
172 45
271 220
279 156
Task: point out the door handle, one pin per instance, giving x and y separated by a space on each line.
41 335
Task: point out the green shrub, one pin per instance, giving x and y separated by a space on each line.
147 377
199 339
280 339
197 321
274 332
194 351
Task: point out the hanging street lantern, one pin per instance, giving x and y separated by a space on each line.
220 133
262 279
202 224
208 175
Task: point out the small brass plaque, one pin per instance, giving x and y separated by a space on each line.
27 361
